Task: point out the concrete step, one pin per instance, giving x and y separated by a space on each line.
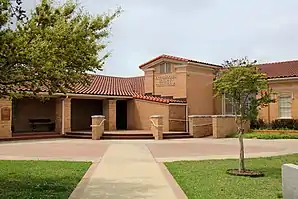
176 135
108 136
32 136
78 135
128 136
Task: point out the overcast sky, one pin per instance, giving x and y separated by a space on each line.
204 30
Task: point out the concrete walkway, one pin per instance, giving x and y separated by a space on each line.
132 168
128 171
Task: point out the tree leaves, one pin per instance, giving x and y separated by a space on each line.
243 84
54 49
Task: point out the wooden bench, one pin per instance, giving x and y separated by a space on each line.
38 123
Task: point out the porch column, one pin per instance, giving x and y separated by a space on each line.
63 111
109 111
157 126
5 118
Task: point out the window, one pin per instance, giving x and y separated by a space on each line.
228 107
285 106
165 68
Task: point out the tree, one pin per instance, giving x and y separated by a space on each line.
246 88
53 49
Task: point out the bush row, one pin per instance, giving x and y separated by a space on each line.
275 125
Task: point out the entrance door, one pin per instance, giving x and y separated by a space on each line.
121 114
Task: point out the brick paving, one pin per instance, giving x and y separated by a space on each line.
82 149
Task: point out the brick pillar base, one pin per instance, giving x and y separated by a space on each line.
5 118
157 126
97 126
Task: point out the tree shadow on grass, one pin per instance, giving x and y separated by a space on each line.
35 187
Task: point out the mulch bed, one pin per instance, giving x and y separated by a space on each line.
247 173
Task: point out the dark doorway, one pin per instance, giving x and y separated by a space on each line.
81 112
121 115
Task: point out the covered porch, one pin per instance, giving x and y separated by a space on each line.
62 114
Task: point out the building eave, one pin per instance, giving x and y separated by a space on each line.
282 79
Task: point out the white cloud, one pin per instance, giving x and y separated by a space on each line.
206 30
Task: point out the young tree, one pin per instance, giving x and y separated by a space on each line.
53 49
246 88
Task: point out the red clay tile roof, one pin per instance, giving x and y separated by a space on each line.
157 99
175 59
137 84
120 86
280 69
116 86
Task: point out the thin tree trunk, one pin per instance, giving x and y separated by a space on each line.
241 157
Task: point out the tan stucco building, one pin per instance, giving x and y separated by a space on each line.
173 87
283 79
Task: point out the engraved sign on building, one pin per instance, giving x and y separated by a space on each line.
165 80
5 114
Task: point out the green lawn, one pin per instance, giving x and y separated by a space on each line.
208 179
40 179
259 135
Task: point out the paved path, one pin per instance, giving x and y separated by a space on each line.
128 171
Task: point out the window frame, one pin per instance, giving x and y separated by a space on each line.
224 106
281 113
165 68
226 102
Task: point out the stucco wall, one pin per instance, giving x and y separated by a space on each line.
149 81
139 112
280 88
200 90
168 84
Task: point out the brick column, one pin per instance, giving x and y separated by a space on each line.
200 125
223 125
59 115
5 118
97 126
157 126
109 111
191 126
67 115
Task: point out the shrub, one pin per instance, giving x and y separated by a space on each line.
271 136
285 124
295 126
258 124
